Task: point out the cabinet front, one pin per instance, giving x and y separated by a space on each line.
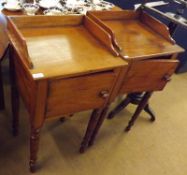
149 75
80 93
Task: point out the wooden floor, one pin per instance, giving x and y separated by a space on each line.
158 148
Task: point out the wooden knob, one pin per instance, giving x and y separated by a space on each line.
167 78
104 94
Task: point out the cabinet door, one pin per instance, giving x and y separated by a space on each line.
149 75
79 93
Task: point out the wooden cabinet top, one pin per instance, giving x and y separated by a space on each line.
62 46
71 45
137 34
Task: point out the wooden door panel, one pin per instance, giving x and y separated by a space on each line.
149 75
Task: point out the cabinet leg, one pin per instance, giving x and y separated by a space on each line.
99 123
91 125
15 110
14 96
119 107
139 109
150 112
2 103
34 146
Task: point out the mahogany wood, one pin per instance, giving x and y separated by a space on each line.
114 15
37 120
69 75
128 28
152 79
148 75
101 34
96 120
107 29
72 55
80 86
21 42
91 126
98 125
157 25
68 36
25 84
135 35
34 146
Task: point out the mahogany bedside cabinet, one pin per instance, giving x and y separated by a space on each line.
149 49
60 65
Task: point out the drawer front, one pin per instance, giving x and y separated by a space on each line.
79 93
150 75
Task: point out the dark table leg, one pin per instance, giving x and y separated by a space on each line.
99 123
143 103
134 98
2 103
34 146
150 112
90 128
14 94
119 107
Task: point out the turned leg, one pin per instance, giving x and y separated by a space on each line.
119 108
91 125
14 96
34 145
140 107
150 112
99 124
2 103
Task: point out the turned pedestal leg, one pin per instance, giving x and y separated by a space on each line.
34 145
150 112
91 125
139 109
37 119
134 98
37 103
99 123
2 103
119 107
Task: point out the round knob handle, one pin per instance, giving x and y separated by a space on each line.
104 94
167 78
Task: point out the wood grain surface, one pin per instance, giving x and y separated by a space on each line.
67 47
138 35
